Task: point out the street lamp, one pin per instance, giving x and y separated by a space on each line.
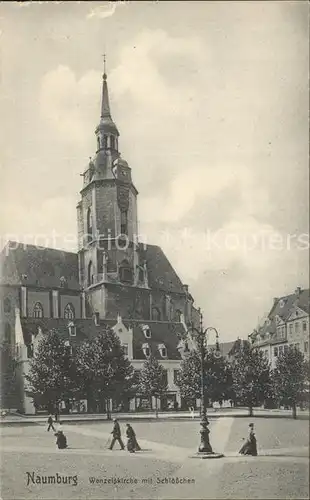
205 448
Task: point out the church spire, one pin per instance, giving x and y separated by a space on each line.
106 132
105 103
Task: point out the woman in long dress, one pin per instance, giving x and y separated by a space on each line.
132 443
250 446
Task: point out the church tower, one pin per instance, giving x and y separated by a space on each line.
109 257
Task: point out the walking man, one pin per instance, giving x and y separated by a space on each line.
50 423
116 435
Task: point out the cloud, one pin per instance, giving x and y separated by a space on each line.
68 104
104 11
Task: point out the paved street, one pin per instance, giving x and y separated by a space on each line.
164 468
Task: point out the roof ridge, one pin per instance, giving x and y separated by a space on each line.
37 247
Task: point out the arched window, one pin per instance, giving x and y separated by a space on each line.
7 333
69 312
178 315
124 222
140 271
7 305
105 141
90 276
156 314
125 271
38 310
112 142
89 222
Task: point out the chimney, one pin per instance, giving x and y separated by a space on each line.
298 291
275 300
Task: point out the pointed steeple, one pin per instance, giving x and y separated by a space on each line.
105 103
106 124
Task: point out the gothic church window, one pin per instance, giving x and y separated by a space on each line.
69 312
90 276
7 305
125 272
7 333
178 315
156 314
140 271
38 310
89 222
124 222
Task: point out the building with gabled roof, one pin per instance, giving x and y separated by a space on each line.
113 280
286 324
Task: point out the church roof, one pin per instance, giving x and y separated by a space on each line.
161 274
43 267
161 333
33 265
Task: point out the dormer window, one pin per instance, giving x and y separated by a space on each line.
281 303
163 351
72 329
147 331
146 350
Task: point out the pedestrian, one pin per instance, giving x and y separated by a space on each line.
50 423
61 440
192 411
250 446
132 443
116 433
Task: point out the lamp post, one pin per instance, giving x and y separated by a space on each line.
205 449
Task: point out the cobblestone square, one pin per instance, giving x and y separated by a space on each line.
163 469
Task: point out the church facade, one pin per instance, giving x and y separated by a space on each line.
113 280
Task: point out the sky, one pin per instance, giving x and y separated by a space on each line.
211 101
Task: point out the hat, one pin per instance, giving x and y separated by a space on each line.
251 425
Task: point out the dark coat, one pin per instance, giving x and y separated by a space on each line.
61 440
116 430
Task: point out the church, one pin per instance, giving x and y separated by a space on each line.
113 280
